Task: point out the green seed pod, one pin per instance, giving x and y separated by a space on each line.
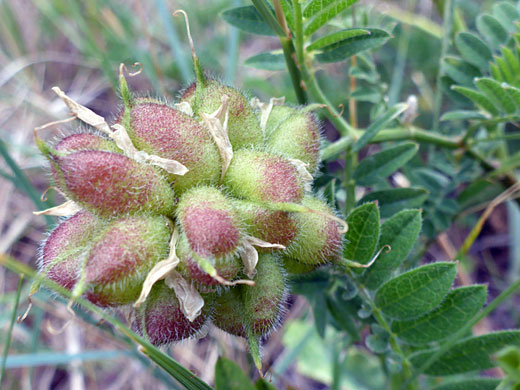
192 266
85 141
264 177
161 320
295 267
112 184
161 130
276 116
318 240
263 302
120 258
273 226
64 250
211 225
298 137
243 125
229 311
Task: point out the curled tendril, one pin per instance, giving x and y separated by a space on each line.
188 32
123 68
21 318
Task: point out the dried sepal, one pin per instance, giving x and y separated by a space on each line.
184 107
191 302
63 210
305 176
266 108
160 270
217 124
249 254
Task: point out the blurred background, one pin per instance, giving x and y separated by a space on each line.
78 46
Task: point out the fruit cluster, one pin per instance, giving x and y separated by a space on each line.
191 212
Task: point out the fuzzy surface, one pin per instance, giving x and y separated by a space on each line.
263 302
277 115
121 257
229 311
296 267
160 129
110 184
318 240
85 141
298 137
161 320
65 248
262 177
209 221
243 125
227 267
276 227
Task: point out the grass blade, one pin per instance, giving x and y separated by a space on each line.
172 367
11 326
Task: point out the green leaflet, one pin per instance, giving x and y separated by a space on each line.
470 354
400 233
363 233
416 292
460 305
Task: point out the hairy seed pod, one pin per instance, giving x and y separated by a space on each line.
276 116
243 125
168 133
273 226
263 177
65 248
229 312
211 225
112 184
296 267
121 257
298 137
85 141
227 267
318 240
161 320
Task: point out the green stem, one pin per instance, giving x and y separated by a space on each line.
11 326
378 315
268 16
350 184
447 28
463 331
398 134
288 52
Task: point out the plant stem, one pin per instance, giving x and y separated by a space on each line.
11 326
288 52
457 335
378 315
447 28
397 134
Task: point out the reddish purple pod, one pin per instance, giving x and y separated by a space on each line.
212 226
262 177
161 130
85 141
273 226
109 183
121 257
161 320
64 251
192 266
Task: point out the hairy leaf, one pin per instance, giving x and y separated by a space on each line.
346 48
460 305
247 19
470 354
323 11
416 292
478 98
363 233
396 199
336 37
382 164
400 232
496 94
491 29
473 49
267 61
469 384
